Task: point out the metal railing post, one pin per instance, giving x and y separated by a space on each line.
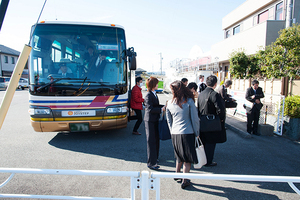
145 185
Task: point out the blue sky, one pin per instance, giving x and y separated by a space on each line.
170 27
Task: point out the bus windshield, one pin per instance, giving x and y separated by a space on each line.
76 59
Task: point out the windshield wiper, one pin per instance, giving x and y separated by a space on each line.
44 86
56 80
80 87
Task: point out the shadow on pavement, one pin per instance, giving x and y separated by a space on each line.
230 193
119 144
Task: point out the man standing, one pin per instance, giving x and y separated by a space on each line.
201 84
97 66
254 94
222 90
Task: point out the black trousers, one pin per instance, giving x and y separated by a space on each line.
253 117
209 149
139 118
152 136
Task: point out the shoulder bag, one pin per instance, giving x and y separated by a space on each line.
163 128
210 122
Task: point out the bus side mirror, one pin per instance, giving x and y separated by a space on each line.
132 58
132 62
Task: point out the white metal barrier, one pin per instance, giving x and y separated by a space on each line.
135 181
155 179
139 180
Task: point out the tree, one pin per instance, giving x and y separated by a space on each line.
238 64
282 58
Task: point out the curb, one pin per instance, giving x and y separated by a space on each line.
239 131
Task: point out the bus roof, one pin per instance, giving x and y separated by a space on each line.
80 23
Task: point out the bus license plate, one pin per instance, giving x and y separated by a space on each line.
79 127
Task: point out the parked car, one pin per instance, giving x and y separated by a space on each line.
23 83
2 84
7 79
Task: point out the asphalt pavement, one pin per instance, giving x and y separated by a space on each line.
119 150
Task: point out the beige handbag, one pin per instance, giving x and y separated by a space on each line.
200 154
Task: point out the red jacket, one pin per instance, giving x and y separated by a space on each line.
136 98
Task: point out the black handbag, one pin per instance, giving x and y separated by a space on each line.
209 122
163 129
230 104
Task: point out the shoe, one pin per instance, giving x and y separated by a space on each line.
136 133
186 183
211 164
179 180
258 134
154 167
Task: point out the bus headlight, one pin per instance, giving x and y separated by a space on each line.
39 111
122 109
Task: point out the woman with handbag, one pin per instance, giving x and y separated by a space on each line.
211 111
183 123
151 118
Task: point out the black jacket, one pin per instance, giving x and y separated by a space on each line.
215 106
152 107
258 95
222 90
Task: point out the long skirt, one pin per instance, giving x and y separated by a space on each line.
184 147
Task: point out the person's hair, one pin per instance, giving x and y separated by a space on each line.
151 82
254 82
211 80
180 93
138 79
201 76
184 80
193 85
62 64
228 83
104 53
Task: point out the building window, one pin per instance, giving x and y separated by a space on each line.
5 59
262 17
12 60
227 34
236 29
279 11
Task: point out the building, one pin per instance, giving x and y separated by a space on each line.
8 60
252 26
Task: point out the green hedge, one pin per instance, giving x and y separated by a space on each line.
292 106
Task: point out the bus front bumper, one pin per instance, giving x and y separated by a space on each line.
93 125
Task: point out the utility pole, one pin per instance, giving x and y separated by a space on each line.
160 63
3 8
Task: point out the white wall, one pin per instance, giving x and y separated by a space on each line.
8 66
243 11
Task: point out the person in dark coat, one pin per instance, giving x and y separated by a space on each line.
254 94
136 104
228 100
152 114
214 106
97 66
